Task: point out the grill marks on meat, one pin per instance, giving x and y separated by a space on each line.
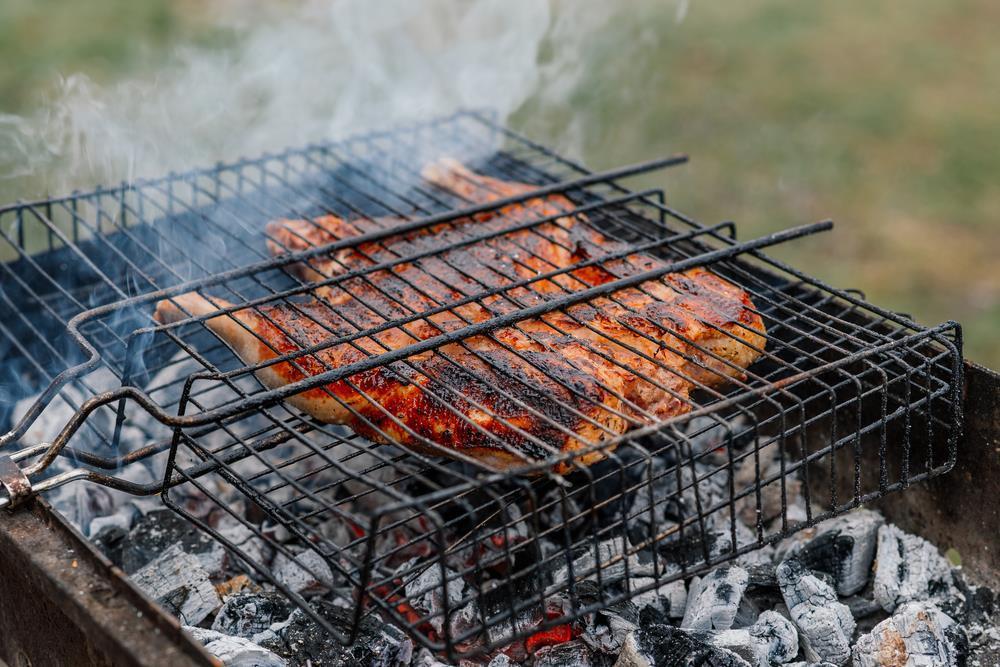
556 383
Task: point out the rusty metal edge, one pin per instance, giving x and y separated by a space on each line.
960 510
62 602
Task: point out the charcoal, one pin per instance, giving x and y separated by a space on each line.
425 658
609 558
304 642
918 634
248 542
804 663
776 638
425 592
842 547
110 540
910 568
179 583
235 651
500 660
666 646
714 599
826 624
771 640
658 505
736 641
306 573
567 654
248 614
162 528
606 630
669 598
755 468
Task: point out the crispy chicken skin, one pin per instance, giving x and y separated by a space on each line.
571 378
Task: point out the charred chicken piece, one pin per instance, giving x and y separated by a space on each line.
569 379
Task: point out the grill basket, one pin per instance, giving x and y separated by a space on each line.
464 558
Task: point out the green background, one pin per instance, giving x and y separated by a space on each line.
884 116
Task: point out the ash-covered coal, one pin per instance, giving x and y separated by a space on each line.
161 529
177 581
302 642
918 633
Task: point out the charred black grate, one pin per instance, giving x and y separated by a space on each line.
465 559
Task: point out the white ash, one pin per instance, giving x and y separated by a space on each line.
500 660
771 640
306 573
714 599
909 568
567 654
826 624
670 598
177 581
659 645
612 560
842 547
917 634
248 614
235 651
776 638
247 542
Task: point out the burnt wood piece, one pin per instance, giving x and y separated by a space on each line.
65 604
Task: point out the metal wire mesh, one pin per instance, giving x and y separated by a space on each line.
467 557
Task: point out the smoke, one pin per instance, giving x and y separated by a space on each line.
300 73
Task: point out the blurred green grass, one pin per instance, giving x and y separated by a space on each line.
882 116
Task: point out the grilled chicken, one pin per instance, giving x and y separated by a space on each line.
567 380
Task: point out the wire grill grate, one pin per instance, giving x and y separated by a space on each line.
465 557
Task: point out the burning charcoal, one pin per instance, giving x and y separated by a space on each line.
776 638
665 646
162 528
607 629
825 623
307 573
178 582
842 547
248 614
567 654
917 634
714 599
303 642
425 592
909 568
669 599
235 651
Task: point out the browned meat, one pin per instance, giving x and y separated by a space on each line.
569 379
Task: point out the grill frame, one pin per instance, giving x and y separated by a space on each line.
939 335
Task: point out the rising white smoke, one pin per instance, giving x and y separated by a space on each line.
298 73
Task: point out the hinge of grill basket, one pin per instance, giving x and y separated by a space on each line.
14 482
